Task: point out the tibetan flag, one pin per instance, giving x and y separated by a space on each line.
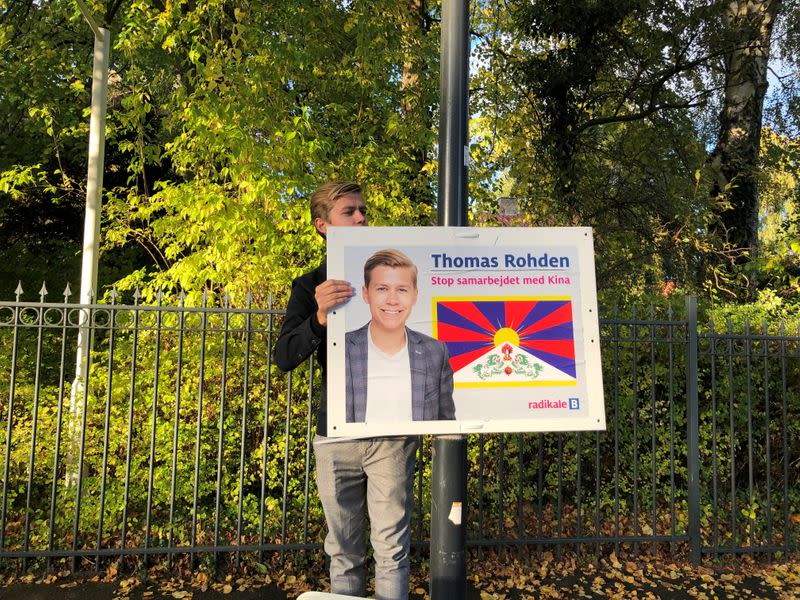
520 342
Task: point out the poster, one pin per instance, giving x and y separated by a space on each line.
514 308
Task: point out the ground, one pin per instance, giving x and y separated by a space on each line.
490 576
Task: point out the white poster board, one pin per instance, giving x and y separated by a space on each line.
516 309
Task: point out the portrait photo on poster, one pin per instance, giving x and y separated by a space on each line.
455 330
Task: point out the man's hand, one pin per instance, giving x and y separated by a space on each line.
330 294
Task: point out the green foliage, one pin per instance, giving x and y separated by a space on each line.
584 112
777 266
254 113
603 116
632 479
222 119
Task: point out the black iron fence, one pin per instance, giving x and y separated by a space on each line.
180 438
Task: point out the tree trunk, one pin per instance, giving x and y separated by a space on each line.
735 158
563 138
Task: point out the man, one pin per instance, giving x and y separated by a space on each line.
395 373
353 476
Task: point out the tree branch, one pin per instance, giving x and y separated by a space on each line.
111 10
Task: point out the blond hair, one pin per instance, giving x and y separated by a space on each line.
388 258
325 197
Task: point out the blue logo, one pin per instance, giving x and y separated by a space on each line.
574 404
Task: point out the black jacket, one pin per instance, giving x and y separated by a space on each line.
302 334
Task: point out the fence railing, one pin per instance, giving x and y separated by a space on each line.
181 437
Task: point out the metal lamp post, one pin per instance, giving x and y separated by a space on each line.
449 485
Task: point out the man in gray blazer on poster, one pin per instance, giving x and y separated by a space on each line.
393 373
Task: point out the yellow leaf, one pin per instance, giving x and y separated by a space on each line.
227 588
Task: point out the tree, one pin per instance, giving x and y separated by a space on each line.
42 84
598 115
734 161
221 119
224 116
45 81
598 101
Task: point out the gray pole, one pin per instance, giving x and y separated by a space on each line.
454 113
94 177
91 227
449 480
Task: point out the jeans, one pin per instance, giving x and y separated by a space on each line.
374 476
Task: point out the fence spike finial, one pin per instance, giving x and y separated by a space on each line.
19 290
114 294
137 294
159 296
43 291
182 296
67 293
